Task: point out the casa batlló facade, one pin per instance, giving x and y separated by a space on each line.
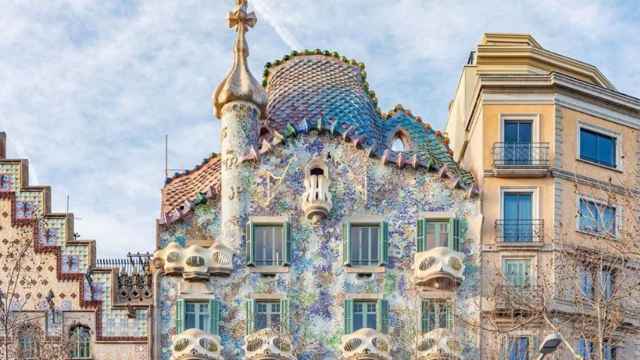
324 229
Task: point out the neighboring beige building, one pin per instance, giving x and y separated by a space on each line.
545 136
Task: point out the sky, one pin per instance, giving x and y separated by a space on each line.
89 89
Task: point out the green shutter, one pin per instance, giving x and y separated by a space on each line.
249 307
383 244
421 235
249 232
424 316
285 315
382 316
454 234
214 317
348 317
346 244
179 316
286 236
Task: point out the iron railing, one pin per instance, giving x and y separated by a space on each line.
521 155
519 231
510 297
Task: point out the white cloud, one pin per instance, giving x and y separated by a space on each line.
89 88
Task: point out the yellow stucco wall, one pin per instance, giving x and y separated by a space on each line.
628 145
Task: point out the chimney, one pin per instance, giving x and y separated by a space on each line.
3 145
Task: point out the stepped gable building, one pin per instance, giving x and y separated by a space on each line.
555 149
324 229
58 303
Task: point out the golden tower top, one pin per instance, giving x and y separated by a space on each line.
239 84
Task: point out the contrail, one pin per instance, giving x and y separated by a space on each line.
286 36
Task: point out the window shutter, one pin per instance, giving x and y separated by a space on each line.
454 235
448 307
382 316
249 232
286 236
249 313
424 316
348 317
582 347
421 235
214 317
383 244
179 316
346 244
285 315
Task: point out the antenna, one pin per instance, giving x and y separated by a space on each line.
166 158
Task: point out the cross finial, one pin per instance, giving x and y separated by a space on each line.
239 17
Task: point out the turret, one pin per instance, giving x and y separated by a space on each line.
239 102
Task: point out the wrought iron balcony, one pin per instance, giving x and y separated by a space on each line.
521 159
366 344
439 268
439 344
196 344
519 232
268 344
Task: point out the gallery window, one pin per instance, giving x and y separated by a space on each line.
268 244
436 314
365 244
196 314
371 314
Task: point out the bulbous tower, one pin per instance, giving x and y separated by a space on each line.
239 102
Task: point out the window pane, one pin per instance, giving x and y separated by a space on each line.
443 234
364 244
358 319
268 244
431 239
588 145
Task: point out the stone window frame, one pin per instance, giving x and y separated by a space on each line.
533 268
619 165
618 217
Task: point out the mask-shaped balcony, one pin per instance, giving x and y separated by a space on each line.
195 344
439 268
316 200
439 344
366 344
268 344
194 262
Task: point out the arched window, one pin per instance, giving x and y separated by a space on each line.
27 343
80 342
399 142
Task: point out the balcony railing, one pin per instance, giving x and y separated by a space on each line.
519 231
268 344
439 344
196 344
366 344
534 155
439 268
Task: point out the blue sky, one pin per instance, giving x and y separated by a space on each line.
88 89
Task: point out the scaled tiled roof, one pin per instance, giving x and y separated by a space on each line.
183 189
322 91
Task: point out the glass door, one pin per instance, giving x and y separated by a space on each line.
518 137
518 225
